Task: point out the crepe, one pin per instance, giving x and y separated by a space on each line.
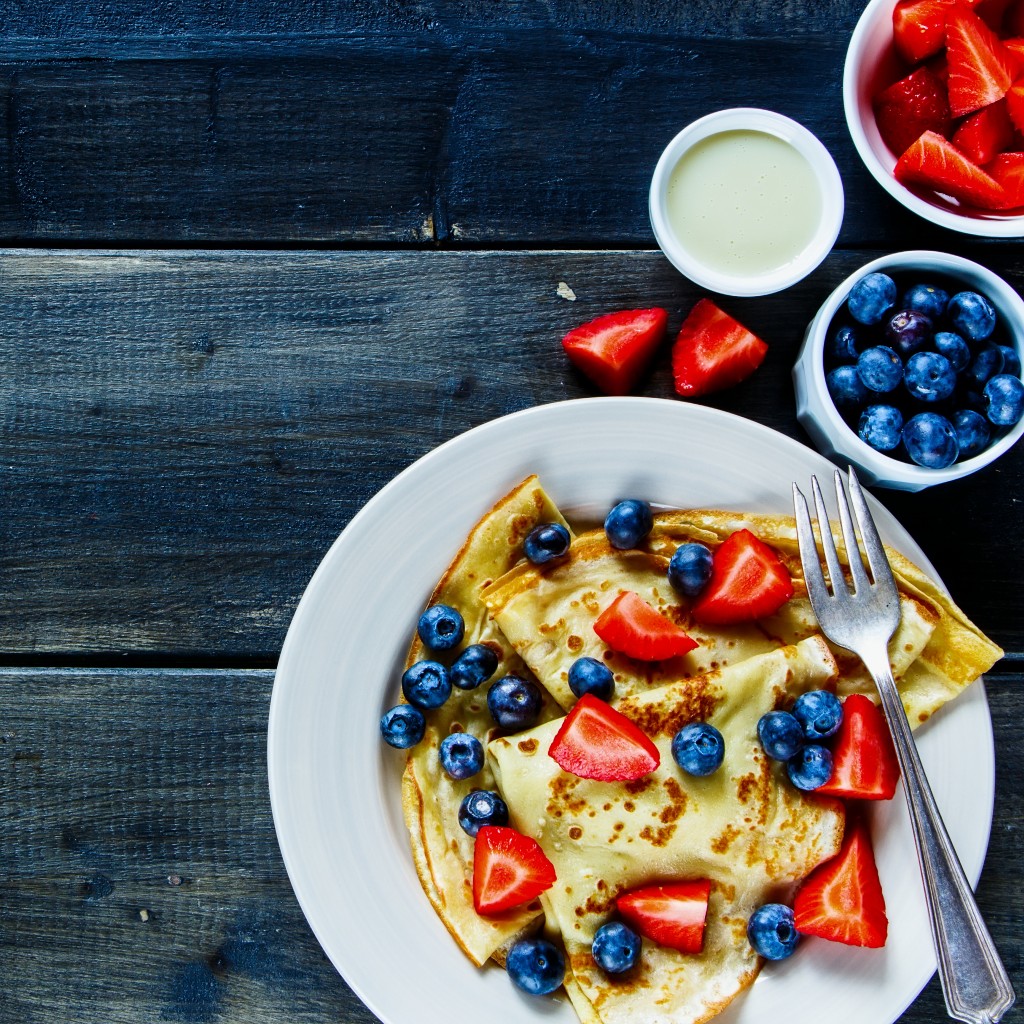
745 828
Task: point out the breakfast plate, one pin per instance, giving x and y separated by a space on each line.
335 787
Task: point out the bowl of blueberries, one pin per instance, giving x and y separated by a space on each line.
911 370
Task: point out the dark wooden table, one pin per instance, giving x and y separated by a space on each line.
258 259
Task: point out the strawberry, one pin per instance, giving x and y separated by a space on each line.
614 349
595 741
993 13
919 26
908 108
842 899
986 133
1008 170
631 626
1015 51
864 765
1013 20
1015 104
939 165
713 351
980 70
748 581
508 869
672 914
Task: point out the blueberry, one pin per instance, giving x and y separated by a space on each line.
780 735
698 748
973 432
843 345
426 684
628 524
846 387
811 767
772 932
930 440
929 377
616 948
514 702
871 298
588 675
482 807
1005 396
819 712
881 427
535 966
461 755
927 299
879 368
475 665
546 542
441 628
402 726
987 362
1011 360
908 331
690 568
954 348
972 315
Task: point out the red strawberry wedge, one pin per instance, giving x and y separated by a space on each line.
864 765
939 165
1015 105
672 915
980 69
919 27
713 351
842 899
509 869
1008 170
910 107
595 741
631 626
615 349
986 133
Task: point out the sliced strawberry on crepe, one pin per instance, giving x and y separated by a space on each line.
919 27
631 626
672 915
614 350
1008 170
980 69
842 899
910 107
713 351
509 869
595 741
748 581
986 133
864 765
937 164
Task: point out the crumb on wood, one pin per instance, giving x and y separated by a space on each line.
565 292
143 914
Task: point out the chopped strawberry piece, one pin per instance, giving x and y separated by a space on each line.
713 351
842 899
631 626
993 13
672 914
934 162
919 27
980 70
1013 20
1015 104
864 765
986 133
1015 51
910 107
508 869
1008 170
595 741
748 581
614 350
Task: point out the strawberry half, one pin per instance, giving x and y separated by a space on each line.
614 349
508 869
980 69
713 351
672 914
1008 170
919 27
842 899
939 165
908 108
595 741
631 626
986 133
1015 105
864 765
748 581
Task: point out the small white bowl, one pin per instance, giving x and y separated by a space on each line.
871 64
806 144
818 415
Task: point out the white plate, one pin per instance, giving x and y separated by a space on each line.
334 785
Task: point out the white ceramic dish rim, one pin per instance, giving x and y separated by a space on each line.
772 123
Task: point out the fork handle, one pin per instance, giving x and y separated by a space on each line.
974 982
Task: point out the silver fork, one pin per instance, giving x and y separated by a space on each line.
863 619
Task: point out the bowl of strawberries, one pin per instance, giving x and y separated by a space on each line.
934 97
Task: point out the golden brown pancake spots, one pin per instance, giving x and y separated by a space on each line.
721 843
658 836
639 785
599 904
629 806
574 643
619 826
520 527
562 787
575 832
456 727
527 746
606 807
698 704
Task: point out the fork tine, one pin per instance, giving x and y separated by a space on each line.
813 576
881 572
857 571
828 545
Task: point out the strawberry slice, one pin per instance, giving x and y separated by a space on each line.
631 626
508 869
1008 170
614 349
908 108
986 133
595 741
672 914
939 165
748 581
919 27
713 351
980 70
842 899
864 765
1015 104
993 13
1015 51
